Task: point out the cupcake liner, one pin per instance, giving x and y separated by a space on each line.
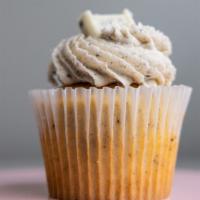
110 143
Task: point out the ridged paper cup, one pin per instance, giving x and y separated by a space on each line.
111 143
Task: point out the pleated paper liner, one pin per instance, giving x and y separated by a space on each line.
111 143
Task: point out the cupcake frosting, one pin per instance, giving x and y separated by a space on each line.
113 49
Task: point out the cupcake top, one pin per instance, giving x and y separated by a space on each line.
112 49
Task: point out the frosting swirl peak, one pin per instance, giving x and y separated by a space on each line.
122 53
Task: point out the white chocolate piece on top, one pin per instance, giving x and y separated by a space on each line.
94 24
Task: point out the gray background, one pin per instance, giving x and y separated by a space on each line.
30 29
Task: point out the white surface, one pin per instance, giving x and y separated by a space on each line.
29 184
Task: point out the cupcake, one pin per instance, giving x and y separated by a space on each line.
111 127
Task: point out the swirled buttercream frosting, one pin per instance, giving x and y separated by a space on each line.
113 49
